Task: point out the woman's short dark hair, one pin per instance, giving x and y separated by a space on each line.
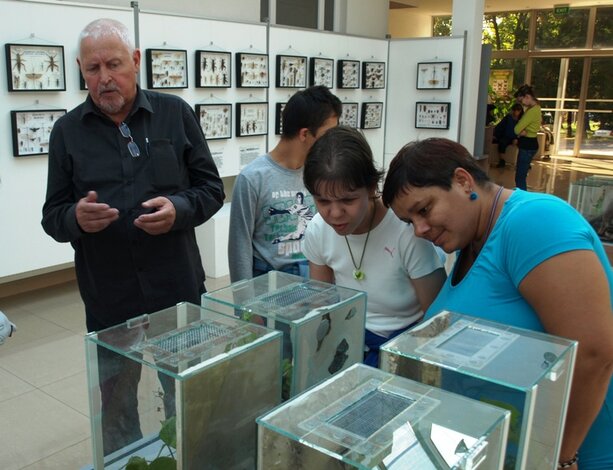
342 157
428 162
309 108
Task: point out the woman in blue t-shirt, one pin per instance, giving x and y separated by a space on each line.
525 259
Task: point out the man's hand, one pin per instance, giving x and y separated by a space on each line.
93 216
160 220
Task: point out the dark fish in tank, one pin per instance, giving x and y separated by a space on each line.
340 357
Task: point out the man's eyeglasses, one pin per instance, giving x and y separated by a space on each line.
132 146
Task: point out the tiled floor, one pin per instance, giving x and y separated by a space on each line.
44 412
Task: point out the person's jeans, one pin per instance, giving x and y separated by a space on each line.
524 157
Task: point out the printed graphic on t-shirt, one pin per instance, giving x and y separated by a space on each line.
288 221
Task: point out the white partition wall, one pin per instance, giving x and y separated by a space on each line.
322 44
161 31
421 92
26 250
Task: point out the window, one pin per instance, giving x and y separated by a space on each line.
506 31
561 31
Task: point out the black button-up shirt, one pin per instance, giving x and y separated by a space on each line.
122 271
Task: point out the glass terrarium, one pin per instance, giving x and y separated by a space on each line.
593 198
322 324
365 418
180 387
526 372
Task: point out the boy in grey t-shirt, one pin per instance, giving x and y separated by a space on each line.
270 206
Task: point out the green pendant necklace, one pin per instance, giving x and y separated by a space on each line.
358 274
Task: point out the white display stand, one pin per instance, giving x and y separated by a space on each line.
212 239
404 55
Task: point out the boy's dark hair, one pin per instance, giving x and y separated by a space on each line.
428 162
309 108
342 157
517 107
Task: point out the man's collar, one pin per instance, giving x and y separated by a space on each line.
140 101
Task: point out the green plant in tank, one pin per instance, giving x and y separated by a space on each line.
286 378
168 435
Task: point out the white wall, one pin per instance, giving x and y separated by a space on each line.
366 18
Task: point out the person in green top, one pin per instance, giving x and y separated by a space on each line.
526 129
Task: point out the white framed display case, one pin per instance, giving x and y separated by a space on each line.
204 378
526 372
365 418
323 324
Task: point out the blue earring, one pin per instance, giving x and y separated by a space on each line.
473 196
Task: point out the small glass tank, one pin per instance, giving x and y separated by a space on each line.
593 198
526 372
364 418
180 388
323 324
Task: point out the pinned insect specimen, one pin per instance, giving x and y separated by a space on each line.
51 62
19 61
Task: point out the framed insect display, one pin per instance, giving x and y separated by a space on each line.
213 69
215 120
252 119
321 72
166 68
279 118
373 75
251 70
349 116
291 71
432 75
31 130
432 115
348 74
372 115
33 67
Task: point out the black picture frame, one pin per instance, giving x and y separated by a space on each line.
251 119
433 75
321 72
82 82
373 75
432 115
35 67
215 120
347 74
371 116
251 70
213 69
279 118
349 115
31 128
291 71
166 68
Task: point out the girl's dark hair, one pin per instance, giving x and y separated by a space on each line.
428 162
517 107
309 108
342 157
525 90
